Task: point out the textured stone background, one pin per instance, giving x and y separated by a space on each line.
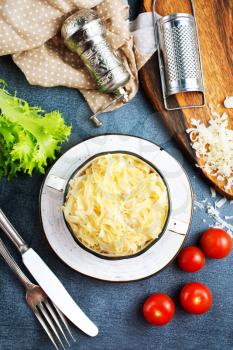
116 308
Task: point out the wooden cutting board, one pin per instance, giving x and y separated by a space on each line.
215 25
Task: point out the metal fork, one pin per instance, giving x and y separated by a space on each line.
50 317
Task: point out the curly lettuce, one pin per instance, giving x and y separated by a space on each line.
29 137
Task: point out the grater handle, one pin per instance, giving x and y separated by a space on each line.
199 52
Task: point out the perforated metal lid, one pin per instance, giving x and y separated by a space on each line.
77 21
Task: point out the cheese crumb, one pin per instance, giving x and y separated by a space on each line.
199 204
220 203
213 192
228 102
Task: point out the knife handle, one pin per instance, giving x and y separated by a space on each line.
11 233
14 266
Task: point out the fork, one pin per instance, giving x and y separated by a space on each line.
50 317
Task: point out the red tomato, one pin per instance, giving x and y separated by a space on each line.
159 309
216 243
196 298
191 259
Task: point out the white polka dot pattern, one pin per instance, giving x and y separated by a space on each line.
29 30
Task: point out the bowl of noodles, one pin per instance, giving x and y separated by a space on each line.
116 205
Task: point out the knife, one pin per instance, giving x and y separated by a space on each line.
48 281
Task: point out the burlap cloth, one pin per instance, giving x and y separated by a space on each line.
30 32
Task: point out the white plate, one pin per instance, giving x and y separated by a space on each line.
149 262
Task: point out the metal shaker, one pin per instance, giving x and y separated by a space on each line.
84 33
179 56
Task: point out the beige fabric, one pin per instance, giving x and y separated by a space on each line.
30 31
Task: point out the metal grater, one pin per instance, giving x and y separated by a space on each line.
179 56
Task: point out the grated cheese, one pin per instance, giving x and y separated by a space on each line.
214 145
117 205
214 213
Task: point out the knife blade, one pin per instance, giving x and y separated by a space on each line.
48 281
57 293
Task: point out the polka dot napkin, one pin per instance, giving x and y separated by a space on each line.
30 31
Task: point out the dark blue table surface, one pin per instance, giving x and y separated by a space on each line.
115 308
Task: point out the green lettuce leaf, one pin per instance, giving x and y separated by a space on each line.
29 137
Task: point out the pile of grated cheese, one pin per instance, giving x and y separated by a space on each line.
214 145
117 205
